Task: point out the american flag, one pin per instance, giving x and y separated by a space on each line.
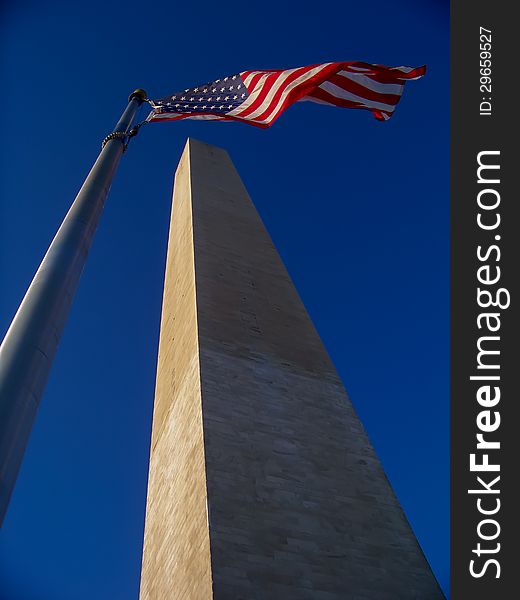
260 97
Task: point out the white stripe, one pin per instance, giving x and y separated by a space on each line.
362 69
408 70
338 92
304 77
206 117
375 86
317 100
158 115
365 69
172 116
403 70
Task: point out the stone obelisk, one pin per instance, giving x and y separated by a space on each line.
263 483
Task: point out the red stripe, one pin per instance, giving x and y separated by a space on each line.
321 94
391 76
360 90
382 70
384 74
385 78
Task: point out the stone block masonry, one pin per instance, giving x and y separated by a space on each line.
263 483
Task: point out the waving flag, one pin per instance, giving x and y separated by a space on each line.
260 97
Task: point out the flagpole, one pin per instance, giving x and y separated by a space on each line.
30 343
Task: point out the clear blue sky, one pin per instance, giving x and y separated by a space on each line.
358 209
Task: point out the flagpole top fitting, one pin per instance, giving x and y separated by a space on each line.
140 94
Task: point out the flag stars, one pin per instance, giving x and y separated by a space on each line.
199 100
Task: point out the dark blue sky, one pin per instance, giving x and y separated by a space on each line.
358 209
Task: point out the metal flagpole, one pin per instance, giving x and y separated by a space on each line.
30 343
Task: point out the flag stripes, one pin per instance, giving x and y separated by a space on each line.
260 97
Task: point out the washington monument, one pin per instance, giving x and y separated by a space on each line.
262 481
